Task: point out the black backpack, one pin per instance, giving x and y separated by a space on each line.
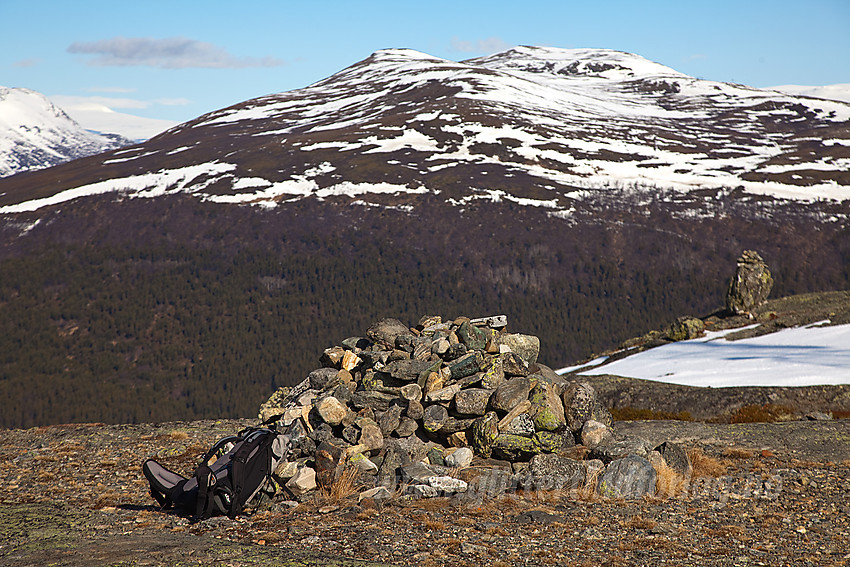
239 476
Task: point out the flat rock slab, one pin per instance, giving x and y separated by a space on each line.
805 440
60 535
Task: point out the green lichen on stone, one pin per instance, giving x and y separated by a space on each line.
515 447
550 442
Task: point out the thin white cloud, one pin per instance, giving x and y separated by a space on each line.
23 63
488 45
165 53
69 101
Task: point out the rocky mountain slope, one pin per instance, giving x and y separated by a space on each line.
587 194
35 134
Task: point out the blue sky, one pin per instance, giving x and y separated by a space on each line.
178 59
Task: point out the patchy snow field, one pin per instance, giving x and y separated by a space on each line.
803 356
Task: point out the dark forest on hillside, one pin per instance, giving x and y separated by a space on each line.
206 311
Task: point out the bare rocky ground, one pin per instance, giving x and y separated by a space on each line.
766 493
75 495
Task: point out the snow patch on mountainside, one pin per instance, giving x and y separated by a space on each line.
839 92
143 186
802 356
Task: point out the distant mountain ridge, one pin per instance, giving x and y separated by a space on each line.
36 134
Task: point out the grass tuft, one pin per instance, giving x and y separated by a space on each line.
342 488
705 465
668 483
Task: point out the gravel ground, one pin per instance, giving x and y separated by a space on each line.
75 495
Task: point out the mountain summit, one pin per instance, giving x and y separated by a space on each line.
530 124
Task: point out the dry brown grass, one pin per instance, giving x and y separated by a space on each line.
668 483
434 525
766 413
347 485
738 453
640 522
705 465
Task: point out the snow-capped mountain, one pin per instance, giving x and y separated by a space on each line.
537 126
35 134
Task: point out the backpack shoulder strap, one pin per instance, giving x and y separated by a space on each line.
206 484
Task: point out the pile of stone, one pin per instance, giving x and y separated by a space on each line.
751 284
412 407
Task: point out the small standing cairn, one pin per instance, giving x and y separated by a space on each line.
413 407
751 285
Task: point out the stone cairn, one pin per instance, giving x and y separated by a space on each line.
751 284
413 407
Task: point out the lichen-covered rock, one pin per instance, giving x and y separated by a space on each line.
515 447
483 433
472 401
581 404
547 409
493 373
521 425
685 329
467 365
435 417
630 446
751 284
551 442
552 471
630 477
447 484
407 370
527 346
473 337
